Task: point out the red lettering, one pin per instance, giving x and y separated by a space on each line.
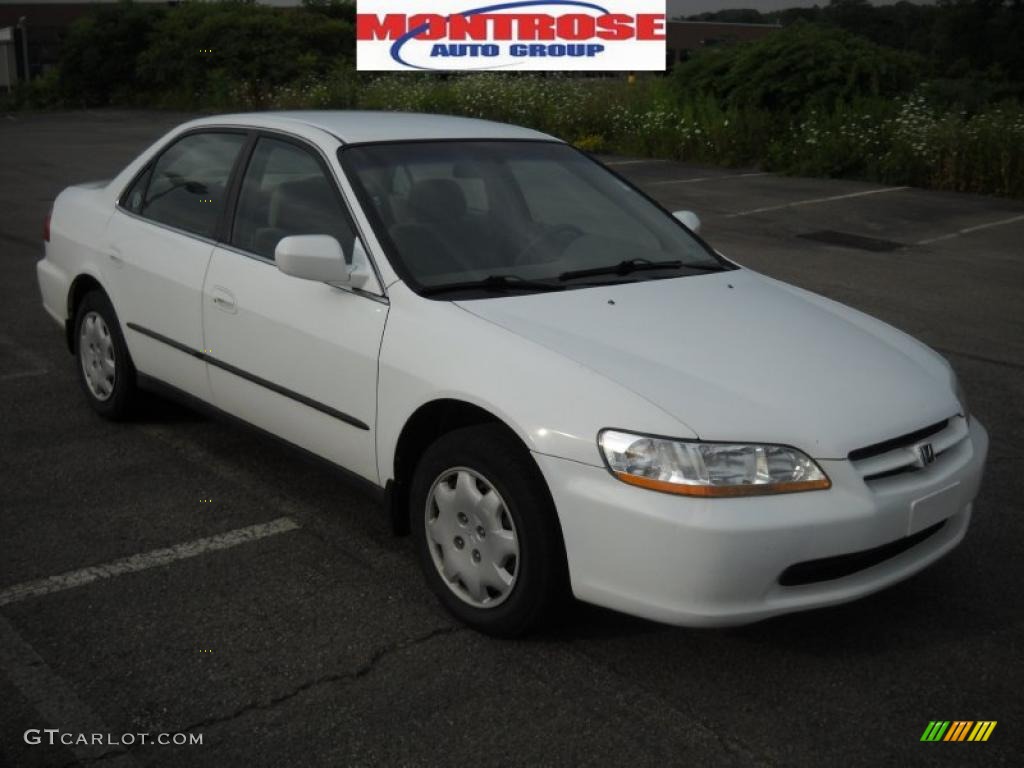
575 26
507 26
615 26
536 26
436 25
369 26
650 26
502 29
468 27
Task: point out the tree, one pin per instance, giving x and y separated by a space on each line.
800 66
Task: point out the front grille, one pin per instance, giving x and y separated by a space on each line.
897 442
830 568
899 455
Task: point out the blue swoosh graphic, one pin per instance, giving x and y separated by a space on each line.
396 49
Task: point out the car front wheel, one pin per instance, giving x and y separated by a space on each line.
486 531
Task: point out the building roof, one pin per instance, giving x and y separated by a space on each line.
359 127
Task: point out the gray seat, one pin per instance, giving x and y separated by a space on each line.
445 236
433 201
303 207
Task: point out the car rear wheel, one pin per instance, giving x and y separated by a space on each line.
105 369
486 531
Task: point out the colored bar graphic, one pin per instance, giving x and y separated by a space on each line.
982 730
935 730
958 730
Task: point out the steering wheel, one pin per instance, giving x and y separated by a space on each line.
421 241
559 232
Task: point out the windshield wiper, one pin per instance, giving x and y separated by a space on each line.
708 267
497 283
629 266
622 269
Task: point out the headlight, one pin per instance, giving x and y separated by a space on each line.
695 468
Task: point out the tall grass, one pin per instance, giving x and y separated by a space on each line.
809 99
894 140
897 140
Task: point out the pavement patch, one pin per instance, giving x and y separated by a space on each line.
850 240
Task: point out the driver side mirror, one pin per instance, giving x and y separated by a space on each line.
690 219
320 258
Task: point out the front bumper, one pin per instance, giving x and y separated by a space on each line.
717 562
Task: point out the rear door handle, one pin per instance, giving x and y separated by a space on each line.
223 299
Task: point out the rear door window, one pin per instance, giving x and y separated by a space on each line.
189 182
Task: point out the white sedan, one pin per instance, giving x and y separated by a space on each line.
556 384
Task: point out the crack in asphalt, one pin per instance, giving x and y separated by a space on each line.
335 677
362 671
188 450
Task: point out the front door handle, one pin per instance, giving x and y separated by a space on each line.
223 299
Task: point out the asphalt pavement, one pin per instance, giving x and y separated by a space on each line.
298 631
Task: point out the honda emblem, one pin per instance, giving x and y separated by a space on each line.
926 454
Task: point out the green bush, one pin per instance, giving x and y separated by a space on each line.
223 54
97 63
797 68
220 55
42 92
973 92
809 100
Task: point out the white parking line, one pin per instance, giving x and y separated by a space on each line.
56 702
815 201
355 545
153 559
22 375
967 231
634 162
706 178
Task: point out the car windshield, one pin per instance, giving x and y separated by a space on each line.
492 217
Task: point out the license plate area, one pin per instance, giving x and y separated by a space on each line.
934 508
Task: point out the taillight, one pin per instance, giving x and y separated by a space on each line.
46 226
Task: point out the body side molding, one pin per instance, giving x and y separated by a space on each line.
299 398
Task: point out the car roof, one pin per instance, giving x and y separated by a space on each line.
351 127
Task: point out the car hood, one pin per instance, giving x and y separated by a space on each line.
738 356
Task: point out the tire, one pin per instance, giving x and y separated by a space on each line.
496 562
105 370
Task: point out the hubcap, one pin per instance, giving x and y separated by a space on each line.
472 537
96 352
